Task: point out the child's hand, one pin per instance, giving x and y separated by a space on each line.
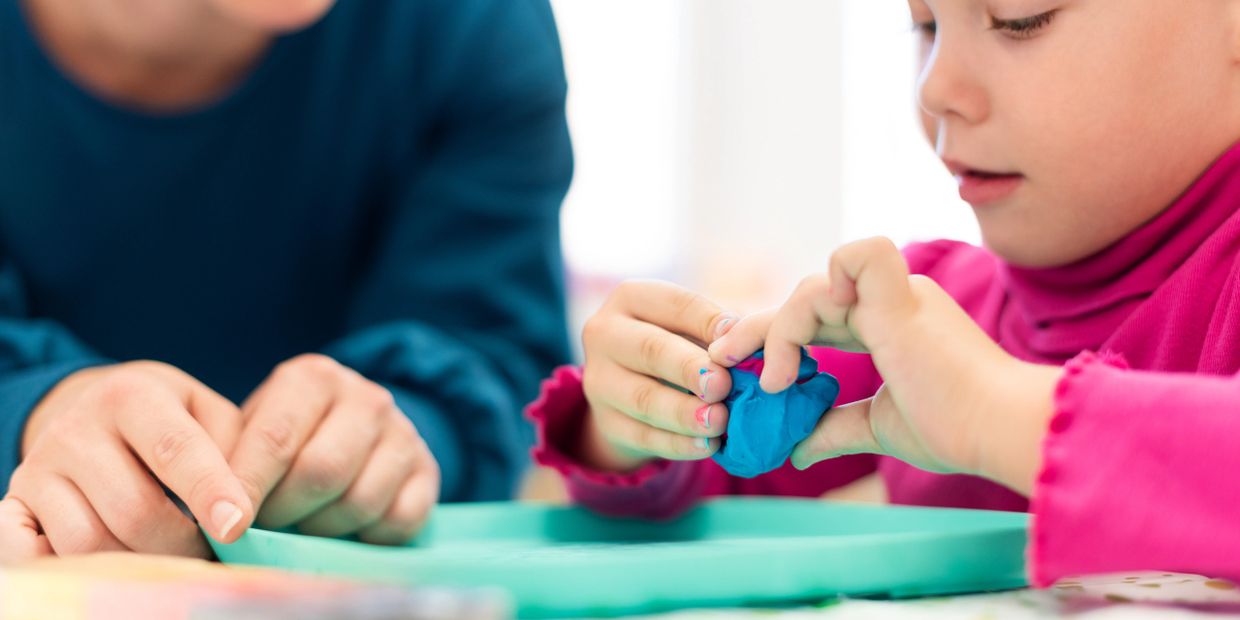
95 449
643 347
949 389
327 450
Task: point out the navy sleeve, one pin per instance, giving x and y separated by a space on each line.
462 310
35 354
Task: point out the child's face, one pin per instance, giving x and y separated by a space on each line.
1102 112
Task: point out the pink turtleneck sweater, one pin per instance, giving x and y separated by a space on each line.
1142 457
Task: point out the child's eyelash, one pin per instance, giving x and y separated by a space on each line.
1024 27
927 28
1021 28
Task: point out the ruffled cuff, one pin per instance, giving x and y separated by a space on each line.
1079 372
659 490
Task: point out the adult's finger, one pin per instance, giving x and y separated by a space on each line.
279 420
371 495
331 458
71 524
181 454
21 538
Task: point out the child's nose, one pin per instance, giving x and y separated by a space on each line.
947 88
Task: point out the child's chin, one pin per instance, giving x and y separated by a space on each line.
1027 248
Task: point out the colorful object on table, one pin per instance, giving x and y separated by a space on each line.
764 428
108 586
562 562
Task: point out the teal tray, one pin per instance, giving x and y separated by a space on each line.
558 562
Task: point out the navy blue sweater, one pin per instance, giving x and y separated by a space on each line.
384 187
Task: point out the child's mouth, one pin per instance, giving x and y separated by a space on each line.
982 187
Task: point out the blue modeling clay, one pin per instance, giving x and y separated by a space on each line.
764 428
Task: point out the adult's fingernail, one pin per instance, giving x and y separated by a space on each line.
224 516
725 325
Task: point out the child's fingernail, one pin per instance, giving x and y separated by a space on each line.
733 359
704 377
703 416
705 443
725 325
225 515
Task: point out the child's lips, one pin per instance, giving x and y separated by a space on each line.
980 187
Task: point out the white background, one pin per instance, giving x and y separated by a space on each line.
730 145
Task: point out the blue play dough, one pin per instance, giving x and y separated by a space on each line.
764 428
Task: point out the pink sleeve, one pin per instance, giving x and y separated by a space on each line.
664 489
1139 473
660 490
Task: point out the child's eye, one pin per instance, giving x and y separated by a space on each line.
926 29
1024 27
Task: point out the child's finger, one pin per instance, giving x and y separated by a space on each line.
657 404
332 458
640 438
842 431
181 455
872 270
795 325
675 309
743 340
652 351
20 538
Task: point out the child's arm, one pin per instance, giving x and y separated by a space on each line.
646 319
628 444
943 376
1128 470
1138 472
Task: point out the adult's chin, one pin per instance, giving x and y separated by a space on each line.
276 15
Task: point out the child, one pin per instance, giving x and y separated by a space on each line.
1085 361
343 218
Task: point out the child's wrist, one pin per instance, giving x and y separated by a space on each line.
595 451
1014 423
